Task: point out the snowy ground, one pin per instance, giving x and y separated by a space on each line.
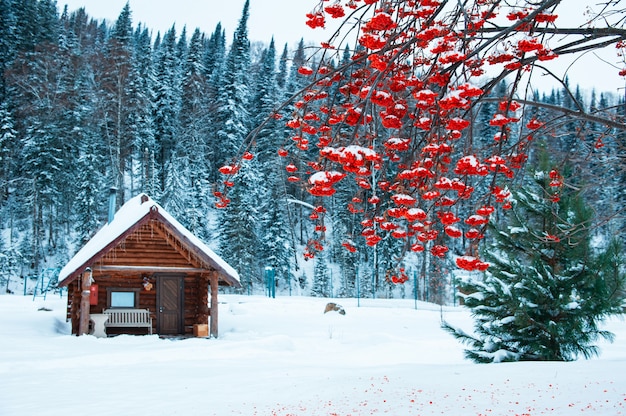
284 357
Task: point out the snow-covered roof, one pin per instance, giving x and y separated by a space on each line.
126 218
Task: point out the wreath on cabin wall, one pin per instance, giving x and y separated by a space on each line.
147 284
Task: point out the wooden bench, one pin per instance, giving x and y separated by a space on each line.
128 318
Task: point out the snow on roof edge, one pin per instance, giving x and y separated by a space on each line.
227 268
127 216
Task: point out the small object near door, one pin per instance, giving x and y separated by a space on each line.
170 305
93 294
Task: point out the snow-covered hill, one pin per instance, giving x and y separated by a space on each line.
284 356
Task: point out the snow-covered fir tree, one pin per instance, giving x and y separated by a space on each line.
238 224
8 143
214 59
119 101
167 102
232 115
144 177
548 287
89 198
321 276
274 230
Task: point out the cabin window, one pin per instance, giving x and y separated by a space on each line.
123 298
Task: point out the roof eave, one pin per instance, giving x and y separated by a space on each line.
98 255
153 213
227 277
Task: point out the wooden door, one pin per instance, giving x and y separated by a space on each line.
170 305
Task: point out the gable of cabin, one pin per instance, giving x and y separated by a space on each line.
150 244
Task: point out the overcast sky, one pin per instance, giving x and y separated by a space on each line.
285 21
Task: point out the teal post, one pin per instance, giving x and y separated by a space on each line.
270 280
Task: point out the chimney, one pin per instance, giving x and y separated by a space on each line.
112 195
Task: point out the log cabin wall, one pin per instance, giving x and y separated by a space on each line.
194 295
73 304
149 245
195 309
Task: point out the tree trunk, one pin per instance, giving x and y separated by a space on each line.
213 316
83 324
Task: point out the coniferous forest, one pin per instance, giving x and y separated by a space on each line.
87 105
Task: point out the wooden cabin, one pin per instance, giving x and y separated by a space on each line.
144 259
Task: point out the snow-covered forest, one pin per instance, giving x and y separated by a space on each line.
86 105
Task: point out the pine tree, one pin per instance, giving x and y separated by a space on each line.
120 53
194 108
47 22
349 275
547 289
86 176
238 225
124 101
281 76
232 116
89 199
182 47
8 143
343 235
177 189
199 207
194 128
321 277
274 231
43 161
7 42
297 154
275 235
40 83
31 22
215 50
239 221
167 103
144 141
214 63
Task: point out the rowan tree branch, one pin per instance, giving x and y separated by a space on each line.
568 111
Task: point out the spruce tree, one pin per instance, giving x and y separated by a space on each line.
167 103
275 242
8 143
321 277
232 115
238 243
177 189
293 83
89 196
142 116
117 79
195 127
547 289
215 65
8 41
239 221
274 231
